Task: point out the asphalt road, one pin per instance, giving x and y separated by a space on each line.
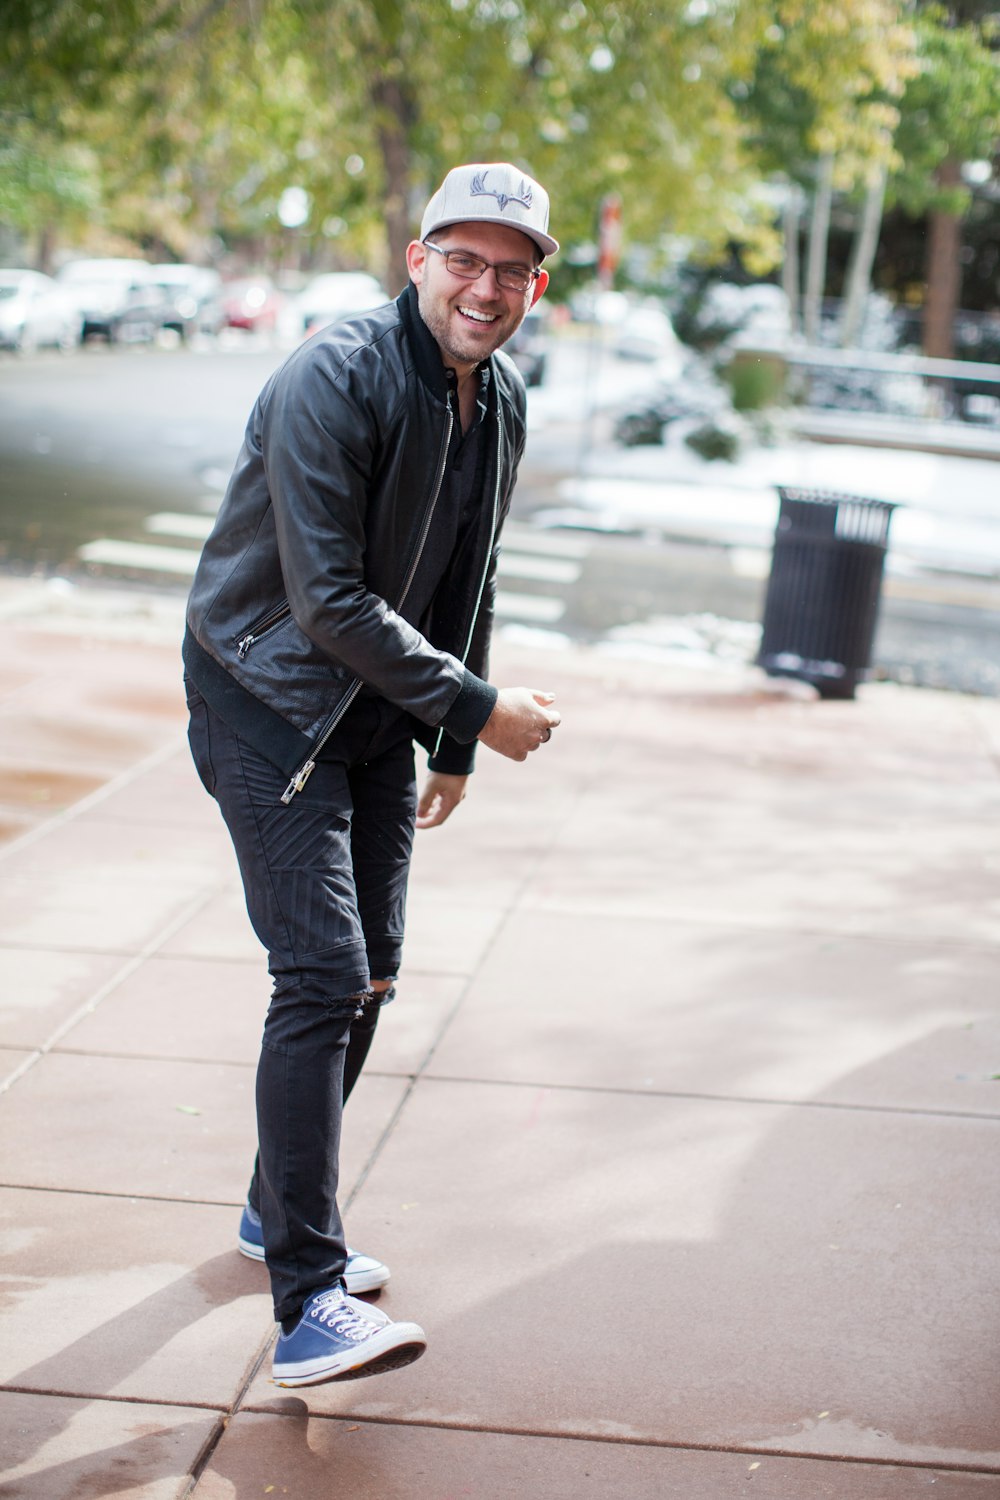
101 452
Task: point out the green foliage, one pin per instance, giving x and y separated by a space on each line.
715 440
183 121
827 79
42 180
198 113
756 381
951 110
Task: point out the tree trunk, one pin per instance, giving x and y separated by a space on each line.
944 271
45 252
819 231
859 271
791 219
395 114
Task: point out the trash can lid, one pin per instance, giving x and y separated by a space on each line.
850 518
833 497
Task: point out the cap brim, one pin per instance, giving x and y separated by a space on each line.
546 244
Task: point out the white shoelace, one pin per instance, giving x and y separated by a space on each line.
337 1313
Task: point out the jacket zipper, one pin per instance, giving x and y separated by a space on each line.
482 580
261 627
304 772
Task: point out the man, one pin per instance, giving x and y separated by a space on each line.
342 607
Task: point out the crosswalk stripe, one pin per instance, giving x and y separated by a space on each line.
517 537
536 607
172 523
530 555
141 555
545 569
147 557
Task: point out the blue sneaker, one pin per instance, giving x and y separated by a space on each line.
337 1338
363 1273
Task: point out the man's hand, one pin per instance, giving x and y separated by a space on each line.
521 721
439 798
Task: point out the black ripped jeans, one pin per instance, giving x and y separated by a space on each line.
325 884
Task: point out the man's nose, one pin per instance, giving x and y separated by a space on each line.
488 284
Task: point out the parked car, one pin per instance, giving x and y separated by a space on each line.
646 333
593 304
337 294
528 346
253 302
118 299
193 296
35 310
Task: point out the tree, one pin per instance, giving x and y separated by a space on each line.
170 124
124 91
950 116
44 182
197 113
859 269
563 88
823 103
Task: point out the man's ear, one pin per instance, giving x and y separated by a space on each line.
540 285
416 259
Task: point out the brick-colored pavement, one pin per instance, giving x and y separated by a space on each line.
680 1139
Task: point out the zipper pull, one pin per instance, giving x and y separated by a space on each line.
298 781
243 646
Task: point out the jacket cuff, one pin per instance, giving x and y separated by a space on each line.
470 710
452 759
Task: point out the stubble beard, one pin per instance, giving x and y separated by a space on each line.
437 316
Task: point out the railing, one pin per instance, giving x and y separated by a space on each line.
976 334
897 385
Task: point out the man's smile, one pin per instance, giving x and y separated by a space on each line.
476 315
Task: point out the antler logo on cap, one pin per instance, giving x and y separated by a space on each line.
480 190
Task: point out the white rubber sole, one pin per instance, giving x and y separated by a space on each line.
390 1349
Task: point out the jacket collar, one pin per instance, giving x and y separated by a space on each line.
426 353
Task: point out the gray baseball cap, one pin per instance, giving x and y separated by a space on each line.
491 192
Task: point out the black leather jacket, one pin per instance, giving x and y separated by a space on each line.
295 601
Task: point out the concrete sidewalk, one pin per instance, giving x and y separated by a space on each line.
680 1139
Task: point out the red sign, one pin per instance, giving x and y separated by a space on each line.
609 245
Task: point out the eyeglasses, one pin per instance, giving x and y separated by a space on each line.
470 267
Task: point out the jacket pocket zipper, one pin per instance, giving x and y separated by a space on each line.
304 772
261 627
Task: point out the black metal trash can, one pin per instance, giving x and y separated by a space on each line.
823 594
